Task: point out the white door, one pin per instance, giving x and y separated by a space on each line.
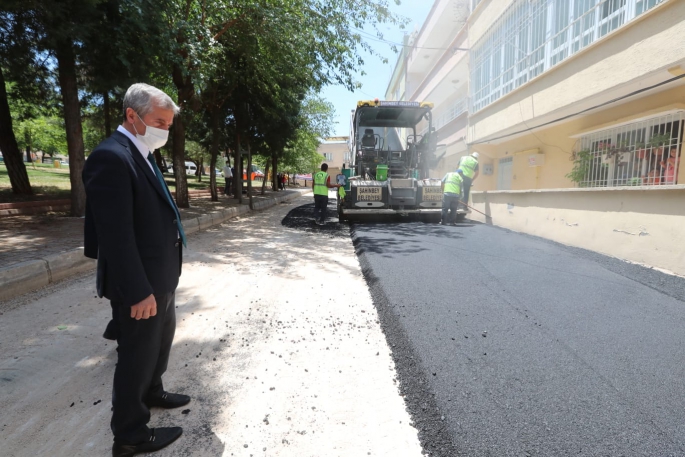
505 169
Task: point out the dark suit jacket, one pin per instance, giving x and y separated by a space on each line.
130 225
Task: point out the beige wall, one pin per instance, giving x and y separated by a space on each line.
450 161
641 224
648 45
337 149
487 12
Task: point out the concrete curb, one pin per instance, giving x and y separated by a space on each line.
33 274
44 207
27 276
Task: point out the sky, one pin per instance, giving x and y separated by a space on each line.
377 77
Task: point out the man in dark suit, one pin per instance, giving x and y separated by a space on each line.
134 230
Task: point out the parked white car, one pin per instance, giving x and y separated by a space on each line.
191 168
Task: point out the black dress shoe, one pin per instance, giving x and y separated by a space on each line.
161 437
168 400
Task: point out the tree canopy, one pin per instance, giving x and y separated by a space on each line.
245 73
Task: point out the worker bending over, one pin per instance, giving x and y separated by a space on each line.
452 185
469 165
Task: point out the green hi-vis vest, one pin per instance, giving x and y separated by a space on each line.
468 165
453 183
320 187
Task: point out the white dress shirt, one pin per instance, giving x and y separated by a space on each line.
144 150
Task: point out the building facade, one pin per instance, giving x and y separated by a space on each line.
577 109
335 152
433 67
577 93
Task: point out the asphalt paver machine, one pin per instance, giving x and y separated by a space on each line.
392 149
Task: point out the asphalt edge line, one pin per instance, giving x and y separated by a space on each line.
31 275
413 383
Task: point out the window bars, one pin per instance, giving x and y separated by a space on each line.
532 36
644 153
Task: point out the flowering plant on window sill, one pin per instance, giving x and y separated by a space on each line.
655 145
610 151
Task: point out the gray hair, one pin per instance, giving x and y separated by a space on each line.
142 98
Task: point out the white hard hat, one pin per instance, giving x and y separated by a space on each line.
474 154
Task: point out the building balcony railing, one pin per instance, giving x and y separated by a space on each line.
533 36
452 112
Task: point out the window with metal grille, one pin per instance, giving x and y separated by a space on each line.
644 153
328 155
532 36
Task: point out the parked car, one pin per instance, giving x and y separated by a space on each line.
191 168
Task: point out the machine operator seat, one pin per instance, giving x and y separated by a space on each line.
369 139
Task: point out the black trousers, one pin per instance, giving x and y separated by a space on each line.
227 187
320 207
144 347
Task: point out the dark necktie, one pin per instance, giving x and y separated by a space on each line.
160 178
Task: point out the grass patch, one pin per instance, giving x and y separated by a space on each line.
51 183
48 183
192 182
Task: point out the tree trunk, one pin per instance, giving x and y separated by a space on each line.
214 152
266 174
66 63
179 163
238 166
19 178
108 117
274 171
200 165
249 174
162 161
185 89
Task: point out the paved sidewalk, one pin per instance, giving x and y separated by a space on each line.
39 250
278 343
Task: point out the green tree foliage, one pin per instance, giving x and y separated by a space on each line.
44 134
242 72
301 155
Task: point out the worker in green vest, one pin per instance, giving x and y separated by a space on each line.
469 164
452 185
322 182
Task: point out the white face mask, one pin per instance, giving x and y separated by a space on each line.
154 138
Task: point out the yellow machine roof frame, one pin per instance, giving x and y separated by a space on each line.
389 103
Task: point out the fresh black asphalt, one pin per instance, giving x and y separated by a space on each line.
510 345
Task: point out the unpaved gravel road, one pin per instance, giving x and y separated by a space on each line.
278 343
